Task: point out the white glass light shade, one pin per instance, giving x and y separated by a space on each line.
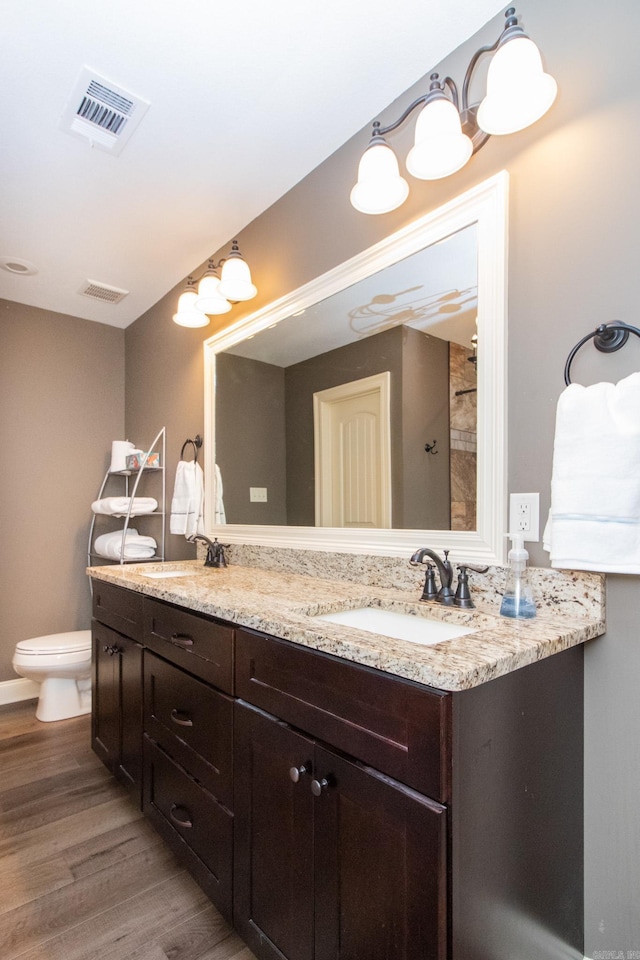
191 318
440 146
235 283
209 299
519 92
380 188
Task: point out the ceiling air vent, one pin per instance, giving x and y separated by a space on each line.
102 292
102 112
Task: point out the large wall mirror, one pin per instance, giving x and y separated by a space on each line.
365 411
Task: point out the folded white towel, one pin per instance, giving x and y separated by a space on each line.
119 506
110 545
188 500
594 523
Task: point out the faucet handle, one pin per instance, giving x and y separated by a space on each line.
430 591
463 594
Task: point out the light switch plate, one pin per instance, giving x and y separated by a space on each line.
257 494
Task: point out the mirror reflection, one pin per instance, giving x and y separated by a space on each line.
361 411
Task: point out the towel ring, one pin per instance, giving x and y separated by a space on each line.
607 338
196 443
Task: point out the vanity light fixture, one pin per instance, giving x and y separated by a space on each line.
215 292
449 130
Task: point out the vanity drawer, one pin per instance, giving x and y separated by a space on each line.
198 828
195 642
192 722
399 727
118 608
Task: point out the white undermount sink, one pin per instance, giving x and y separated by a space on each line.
401 626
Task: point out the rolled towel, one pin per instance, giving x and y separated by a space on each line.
119 506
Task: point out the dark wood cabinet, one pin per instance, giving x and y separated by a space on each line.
333 860
335 812
116 728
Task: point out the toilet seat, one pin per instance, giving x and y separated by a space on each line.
72 647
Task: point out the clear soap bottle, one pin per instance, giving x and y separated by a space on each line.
517 600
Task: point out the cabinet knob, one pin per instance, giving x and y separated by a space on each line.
317 786
296 772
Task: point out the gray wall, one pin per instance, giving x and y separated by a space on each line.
426 496
61 405
250 438
573 263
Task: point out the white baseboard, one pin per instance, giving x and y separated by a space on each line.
11 691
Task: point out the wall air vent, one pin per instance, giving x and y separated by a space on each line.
102 112
102 292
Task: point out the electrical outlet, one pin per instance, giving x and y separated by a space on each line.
257 494
524 515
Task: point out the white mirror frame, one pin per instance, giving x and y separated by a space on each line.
485 205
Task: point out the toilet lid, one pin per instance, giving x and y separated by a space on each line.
70 642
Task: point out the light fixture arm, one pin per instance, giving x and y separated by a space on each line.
446 87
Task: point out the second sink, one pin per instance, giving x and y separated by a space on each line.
400 626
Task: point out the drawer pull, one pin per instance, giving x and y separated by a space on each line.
317 786
182 640
296 772
179 717
187 822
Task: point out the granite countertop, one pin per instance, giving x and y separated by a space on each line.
283 604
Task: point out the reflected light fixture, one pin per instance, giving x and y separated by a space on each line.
449 130
215 292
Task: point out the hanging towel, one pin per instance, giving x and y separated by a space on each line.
109 545
219 514
119 506
594 522
188 500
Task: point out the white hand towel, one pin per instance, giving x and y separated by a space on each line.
119 506
219 514
188 500
594 523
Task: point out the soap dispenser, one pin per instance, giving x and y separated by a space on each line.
517 600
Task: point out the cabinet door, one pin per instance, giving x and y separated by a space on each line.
273 878
116 723
105 718
380 866
129 666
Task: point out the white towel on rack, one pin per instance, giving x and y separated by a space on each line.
119 506
109 545
594 522
219 514
187 503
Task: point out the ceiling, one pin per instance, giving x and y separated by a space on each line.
244 100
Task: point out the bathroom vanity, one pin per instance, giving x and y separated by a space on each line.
339 794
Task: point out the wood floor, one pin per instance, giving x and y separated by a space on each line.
82 875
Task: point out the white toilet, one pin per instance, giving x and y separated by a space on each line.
61 664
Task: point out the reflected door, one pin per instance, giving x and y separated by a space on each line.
352 454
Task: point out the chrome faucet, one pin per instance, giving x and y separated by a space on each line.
215 551
445 595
